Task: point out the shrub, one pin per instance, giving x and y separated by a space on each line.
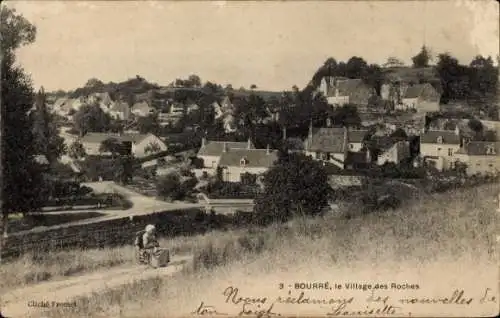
169 186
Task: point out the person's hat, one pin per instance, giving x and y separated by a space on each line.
150 228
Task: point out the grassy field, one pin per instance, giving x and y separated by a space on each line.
455 227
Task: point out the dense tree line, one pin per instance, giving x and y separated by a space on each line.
21 175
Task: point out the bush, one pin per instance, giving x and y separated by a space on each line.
169 186
236 190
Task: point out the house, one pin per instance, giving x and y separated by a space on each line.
338 146
217 110
236 163
480 157
393 152
103 99
210 151
142 109
420 97
192 107
139 145
176 109
356 139
120 110
439 147
64 106
341 91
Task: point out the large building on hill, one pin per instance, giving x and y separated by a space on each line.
421 98
340 91
339 146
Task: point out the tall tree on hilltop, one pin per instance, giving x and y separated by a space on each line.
355 67
21 175
423 58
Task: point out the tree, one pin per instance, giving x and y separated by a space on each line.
152 147
295 185
330 66
76 150
148 124
372 75
399 134
93 83
347 116
194 81
169 186
124 169
450 73
475 125
112 145
253 86
21 176
423 58
91 118
355 67
47 141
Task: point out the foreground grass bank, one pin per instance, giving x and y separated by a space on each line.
442 228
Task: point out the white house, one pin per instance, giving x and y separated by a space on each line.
211 151
236 163
439 147
138 144
142 109
120 110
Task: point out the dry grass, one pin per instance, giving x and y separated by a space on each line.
440 228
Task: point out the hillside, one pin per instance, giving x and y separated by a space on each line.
138 89
411 245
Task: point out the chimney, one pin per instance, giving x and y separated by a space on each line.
249 144
224 148
346 141
310 129
268 151
203 142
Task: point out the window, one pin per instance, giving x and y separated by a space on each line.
351 146
440 140
243 161
490 150
450 152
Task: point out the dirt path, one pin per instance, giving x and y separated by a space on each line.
15 303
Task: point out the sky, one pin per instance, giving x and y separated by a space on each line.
273 45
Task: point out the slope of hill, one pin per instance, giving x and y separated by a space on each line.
413 245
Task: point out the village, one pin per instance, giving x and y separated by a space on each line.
402 127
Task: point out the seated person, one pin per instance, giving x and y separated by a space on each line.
149 244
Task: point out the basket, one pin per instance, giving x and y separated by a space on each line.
160 258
